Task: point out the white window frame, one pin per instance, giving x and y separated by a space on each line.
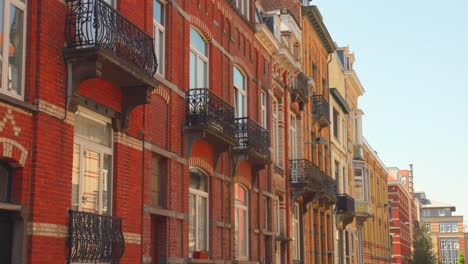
296 232
203 194
200 56
277 216
264 109
240 93
6 40
244 7
293 136
102 150
157 28
242 207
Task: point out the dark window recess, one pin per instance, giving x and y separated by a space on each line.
5 182
336 123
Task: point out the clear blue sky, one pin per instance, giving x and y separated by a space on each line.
412 59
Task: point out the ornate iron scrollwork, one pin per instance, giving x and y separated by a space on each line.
206 110
329 187
95 24
94 238
251 136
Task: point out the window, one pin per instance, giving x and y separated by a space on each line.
454 227
158 174
5 182
277 216
240 93
92 163
293 137
244 7
241 221
198 61
276 130
158 32
336 124
447 227
296 232
198 210
12 51
337 176
263 110
449 250
266 213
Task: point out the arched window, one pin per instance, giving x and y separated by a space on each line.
241 221
240 93
198 211
5 182
198 60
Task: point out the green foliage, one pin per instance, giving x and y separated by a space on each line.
423 253
461 259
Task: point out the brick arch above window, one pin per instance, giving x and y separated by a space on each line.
13 152
202 28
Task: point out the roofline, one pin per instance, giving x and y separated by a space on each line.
315 18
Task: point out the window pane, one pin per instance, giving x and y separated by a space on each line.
15 49
75 176
198 180
201 73
238 79
245 233
197 42
193 76
192 222
158 12
90 198
160 51
93 131
202 223
106 184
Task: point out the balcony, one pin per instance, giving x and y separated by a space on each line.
321 110
328 192
210 118
345 204
300 90
265 33
253 141
94 238
305 179
358 153
102 43
362 209
345 209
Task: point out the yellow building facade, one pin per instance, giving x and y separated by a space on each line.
376 232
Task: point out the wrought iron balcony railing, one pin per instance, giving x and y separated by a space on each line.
303 174
95 24
252 137
300 90
345 204
207 111
321 108
94 238
329 187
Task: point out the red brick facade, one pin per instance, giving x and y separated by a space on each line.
154 152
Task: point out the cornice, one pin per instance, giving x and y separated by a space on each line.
314 17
